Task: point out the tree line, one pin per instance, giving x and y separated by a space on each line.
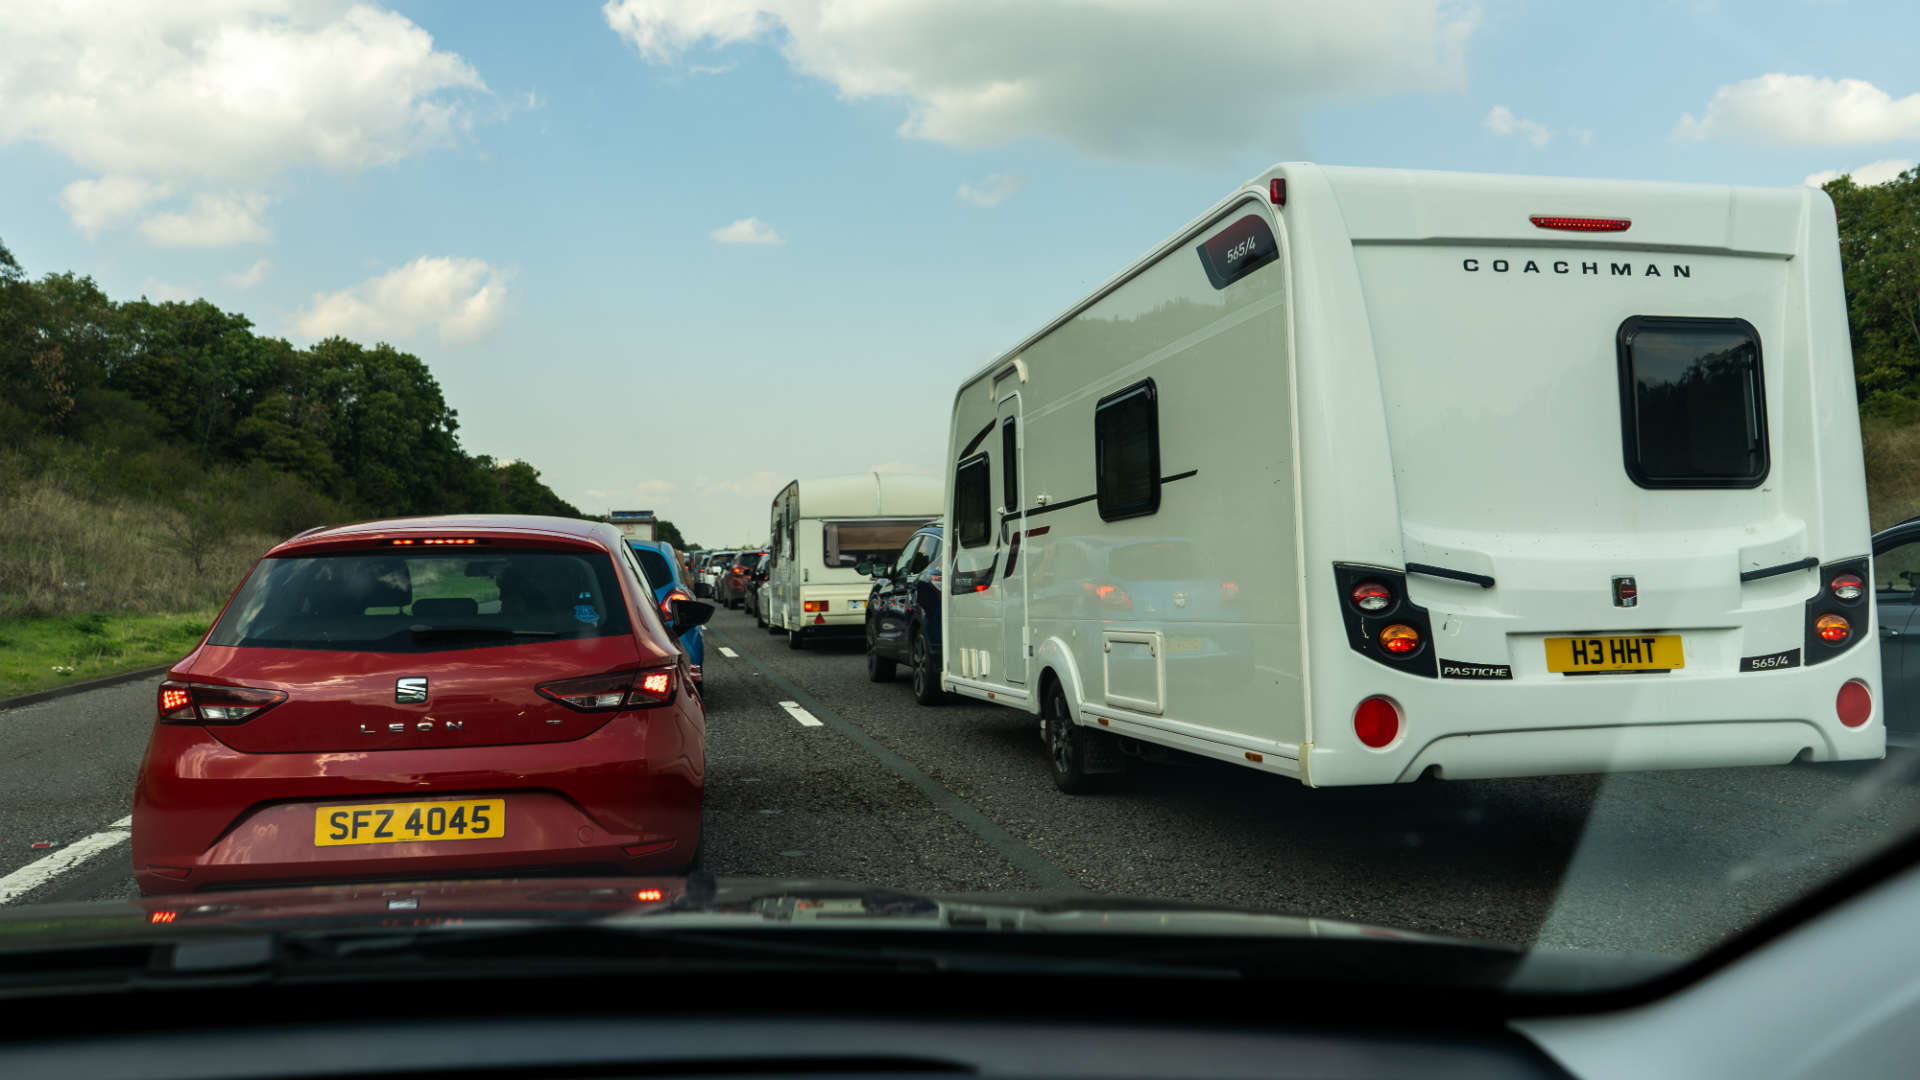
1880 258
186 403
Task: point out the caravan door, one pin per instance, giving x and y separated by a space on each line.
1013 523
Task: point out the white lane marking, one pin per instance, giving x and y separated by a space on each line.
729 653
39 872
123 823
794 710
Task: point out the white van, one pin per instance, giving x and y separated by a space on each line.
821 530
1369 475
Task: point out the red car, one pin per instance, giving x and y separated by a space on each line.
730 588
428 697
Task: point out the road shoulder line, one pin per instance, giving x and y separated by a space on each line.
43 870
1010 847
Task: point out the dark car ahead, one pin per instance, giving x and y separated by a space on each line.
1896 595
903 615
730 587
428 697
751 600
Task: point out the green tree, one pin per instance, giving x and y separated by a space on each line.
1880 260
668 532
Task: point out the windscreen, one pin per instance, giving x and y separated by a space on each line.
850 543
423 602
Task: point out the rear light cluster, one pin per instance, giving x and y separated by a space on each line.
813 605
1381 622
201 703
609 693
1835 609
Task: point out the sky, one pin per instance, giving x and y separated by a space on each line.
676 253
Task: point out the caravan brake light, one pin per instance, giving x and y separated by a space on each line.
1847 587
1832 629
1580 224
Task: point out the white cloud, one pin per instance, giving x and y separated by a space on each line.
161 292
222 93
747 230
1502 121
994 190
1583 136
251 276
1125 80
100 204
1875 172
211 221
464 298
1802 110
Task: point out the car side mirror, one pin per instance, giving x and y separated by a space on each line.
688 614
865 568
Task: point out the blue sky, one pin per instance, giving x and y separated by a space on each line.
528 196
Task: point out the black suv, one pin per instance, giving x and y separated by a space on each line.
903 616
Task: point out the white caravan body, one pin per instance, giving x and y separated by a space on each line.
822 528
1567 473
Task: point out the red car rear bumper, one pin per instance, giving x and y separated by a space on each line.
625 798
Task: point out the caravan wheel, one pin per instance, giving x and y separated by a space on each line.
1067 745
795 641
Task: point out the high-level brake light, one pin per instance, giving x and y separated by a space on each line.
1580 224
437 541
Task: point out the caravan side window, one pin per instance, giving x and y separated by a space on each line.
1692 408
1010 463
972 502
1126 452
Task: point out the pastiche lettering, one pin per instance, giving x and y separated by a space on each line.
1622 269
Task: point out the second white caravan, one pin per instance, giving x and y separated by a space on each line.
821 530
1370 475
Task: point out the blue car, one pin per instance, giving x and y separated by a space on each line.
663 570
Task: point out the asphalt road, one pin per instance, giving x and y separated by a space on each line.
957 798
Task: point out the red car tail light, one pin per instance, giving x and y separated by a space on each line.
609 693
200 703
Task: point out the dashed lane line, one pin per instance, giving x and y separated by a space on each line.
41 871
729 653
806 718
1015 850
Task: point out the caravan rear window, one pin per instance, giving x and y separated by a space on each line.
850 543
1693 411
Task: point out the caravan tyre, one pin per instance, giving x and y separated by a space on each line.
795 641
1066 745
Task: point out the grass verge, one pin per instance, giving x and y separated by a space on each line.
40 653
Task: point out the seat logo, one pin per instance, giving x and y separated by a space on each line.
410 691
1625 592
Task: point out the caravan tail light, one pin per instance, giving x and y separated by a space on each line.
1371 596
1855 704
813 605
1376 722
1400 639
1833 629
1847 587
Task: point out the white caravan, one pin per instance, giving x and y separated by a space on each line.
1369 475
821 530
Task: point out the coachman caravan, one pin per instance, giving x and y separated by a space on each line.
1367 475
821 530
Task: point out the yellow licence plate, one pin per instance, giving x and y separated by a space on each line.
1177 644
1639 652
396 823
